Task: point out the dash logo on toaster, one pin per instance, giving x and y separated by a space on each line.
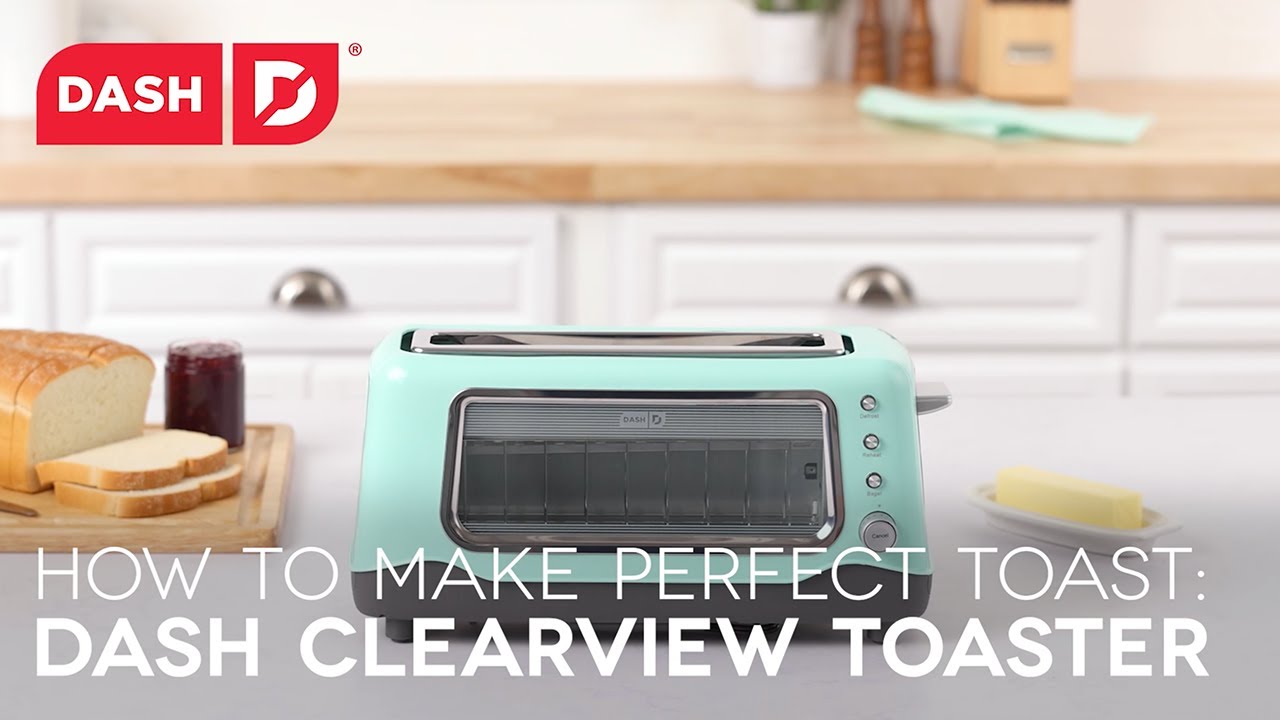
172 94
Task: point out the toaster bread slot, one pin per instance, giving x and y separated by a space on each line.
797 344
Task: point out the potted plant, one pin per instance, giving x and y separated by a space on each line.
788 48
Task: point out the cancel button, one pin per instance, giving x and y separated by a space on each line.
878 532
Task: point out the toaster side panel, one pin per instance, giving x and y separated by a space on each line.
400 483
880 454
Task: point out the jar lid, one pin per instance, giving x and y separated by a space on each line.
204 355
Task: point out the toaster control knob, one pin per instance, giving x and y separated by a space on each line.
868 403
874 481
878 532
871 442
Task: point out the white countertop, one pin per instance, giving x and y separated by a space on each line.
1214 465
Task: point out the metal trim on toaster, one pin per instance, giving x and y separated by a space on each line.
585 539
730 344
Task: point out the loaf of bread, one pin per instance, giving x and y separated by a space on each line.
179 497
61 393
141 463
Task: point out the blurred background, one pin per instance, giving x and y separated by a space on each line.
646 40
690 162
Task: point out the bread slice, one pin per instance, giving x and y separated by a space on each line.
179 497
142 463
61 393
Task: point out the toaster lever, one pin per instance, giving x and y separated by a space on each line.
932 397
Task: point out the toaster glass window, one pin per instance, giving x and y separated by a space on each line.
547 471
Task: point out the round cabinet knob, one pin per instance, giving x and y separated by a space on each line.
878 287
309 290
878 532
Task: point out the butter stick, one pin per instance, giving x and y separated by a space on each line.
1069 498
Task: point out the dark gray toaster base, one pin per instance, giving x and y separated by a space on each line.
597 601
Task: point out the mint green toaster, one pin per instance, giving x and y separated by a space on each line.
778 464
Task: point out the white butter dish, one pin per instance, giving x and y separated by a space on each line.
1094 539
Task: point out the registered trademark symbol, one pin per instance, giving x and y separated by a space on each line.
355 49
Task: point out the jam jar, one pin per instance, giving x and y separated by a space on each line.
204 389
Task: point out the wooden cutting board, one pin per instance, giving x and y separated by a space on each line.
248 519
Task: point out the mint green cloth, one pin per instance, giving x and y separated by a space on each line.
1001 121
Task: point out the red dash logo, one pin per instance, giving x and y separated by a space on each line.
282 94
131 94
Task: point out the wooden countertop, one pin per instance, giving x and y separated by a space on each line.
1210 142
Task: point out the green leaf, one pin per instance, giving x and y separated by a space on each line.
795 5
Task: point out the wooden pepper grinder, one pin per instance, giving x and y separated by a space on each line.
916 69
871 60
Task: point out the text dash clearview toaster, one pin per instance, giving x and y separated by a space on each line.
778 464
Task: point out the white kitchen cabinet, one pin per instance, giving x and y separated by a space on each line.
24 272
1053 374
992 278
150 276
266 377
1005 300
1209 373
340 376
1206 277
271 379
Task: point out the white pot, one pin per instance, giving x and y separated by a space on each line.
31 32
787 50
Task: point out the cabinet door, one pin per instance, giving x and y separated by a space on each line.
268 380
24 274
1212 374
276 381
1050 374
1206 277
340 378
301 279
937 278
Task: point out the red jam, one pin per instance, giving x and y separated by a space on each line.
204 389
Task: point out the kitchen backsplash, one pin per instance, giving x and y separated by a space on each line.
495 40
